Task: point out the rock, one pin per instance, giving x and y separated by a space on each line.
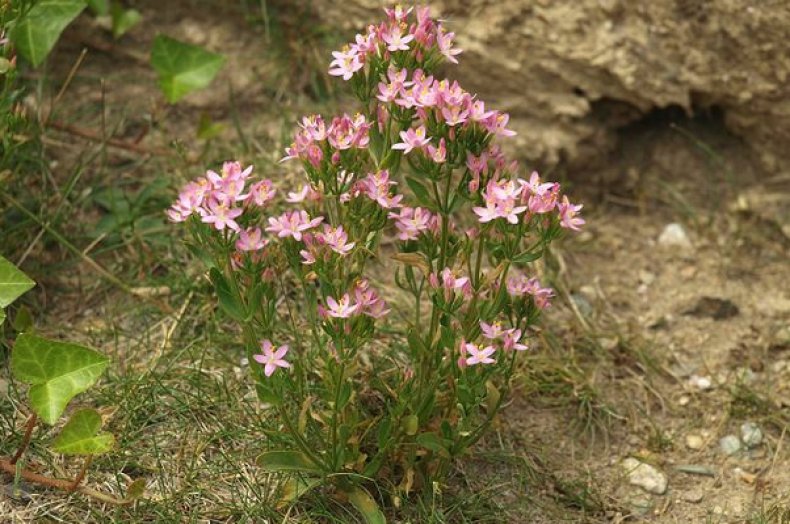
684 400
574 73
712 307
645 476
674 235
751 434
694 442
694 496
702 383
730 444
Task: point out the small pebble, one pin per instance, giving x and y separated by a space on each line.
684 400
694 496
694 442
702 383
730 444
751 435
674 235
645 476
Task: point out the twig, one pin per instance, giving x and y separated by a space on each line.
65 85
115 142
31 424
81 475
8 467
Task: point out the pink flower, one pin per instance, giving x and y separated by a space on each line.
478 355
445 43
345 64
568 215
221 216
478 112
306 192
438 154
510 341
376 186
477 164
292 223
271 359
518 286
261 193
250 240
492 331
496 123
397 13
410 222
370 303
450 283
395 40
337 240
413 138
454 115
342 308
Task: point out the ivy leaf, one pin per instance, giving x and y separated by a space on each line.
37 32
57 371
364 503
13 283
99 7
80 435
287 461
183 68
123 19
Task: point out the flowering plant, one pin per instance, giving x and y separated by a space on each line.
359 399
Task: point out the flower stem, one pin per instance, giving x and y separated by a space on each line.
29 426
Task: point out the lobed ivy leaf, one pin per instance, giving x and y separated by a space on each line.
57 372
80 435
183 68
287 461
365 504
39 29
13 283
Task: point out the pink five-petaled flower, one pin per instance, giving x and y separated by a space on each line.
568 215
345 64
492 331
292 224
412 138
410 222
222 216
306 192
342 308
261 193
271 359
337 240
250 240
510 340
395 40
478 355
445 43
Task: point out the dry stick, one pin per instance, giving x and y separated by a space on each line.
65 85
31 424
115 142
5 465
88 260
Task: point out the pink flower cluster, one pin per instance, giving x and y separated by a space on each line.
219 198
335 239
419 36
439 101
314 140
507 198
451 283
412 221
509 339
518 286
363 300
376 186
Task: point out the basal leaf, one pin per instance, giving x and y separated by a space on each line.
57 372
37 32
365 504
287 461
183 68
294 488
13 283
80 435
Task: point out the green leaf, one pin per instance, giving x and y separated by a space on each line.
420 191
2 316
57 371
207 128
365 504
527 256
227 299
13 283
99 7
410 425
80 435
37 32
433 442
23 320
123 19
135 490
294 488
287 461
183 68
